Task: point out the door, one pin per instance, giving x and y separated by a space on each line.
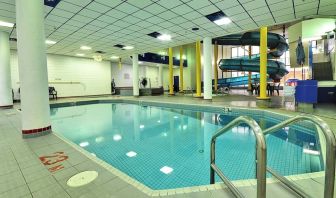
176 83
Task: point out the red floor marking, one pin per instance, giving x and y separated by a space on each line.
56 168
53 159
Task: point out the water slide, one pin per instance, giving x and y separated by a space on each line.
277 46
237 81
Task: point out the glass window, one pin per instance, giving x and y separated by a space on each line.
255 49
234 52
241 52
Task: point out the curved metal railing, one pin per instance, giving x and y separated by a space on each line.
330 153
260 156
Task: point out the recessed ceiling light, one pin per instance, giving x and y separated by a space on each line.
164 37
166 170
85 48
6 24
114 57
140 62
131 154
128 47
80 54
223 21
219 18
50 42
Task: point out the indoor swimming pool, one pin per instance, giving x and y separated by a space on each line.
165 148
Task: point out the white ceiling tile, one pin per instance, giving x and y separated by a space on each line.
131 19
141 14
208 10
233 10
192 15
97 7
110 3
89 13
81 3
155 9
68 7
182 9
169 4
116 14
196 4
155 20
140 4
127 8
167 15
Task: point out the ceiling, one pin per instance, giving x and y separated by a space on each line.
101 24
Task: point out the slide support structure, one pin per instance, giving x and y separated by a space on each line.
263 64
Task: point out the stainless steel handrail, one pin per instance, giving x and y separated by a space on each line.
330 154
260 156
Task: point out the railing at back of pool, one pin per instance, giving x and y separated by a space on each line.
261 156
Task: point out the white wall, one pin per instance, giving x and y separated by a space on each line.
71 76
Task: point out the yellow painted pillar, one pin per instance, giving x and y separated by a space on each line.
181 69
263 63
198 69
216 66
249 88
171 77
119 64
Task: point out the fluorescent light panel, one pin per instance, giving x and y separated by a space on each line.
223 21
6 24
85 48
164 37
50 42
128 47
79 54
114 57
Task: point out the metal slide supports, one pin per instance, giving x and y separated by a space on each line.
330 153
260 156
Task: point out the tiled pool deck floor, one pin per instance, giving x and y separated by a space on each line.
23 175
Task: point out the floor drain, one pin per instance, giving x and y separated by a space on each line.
82 178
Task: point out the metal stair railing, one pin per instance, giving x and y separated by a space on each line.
260 156
330 154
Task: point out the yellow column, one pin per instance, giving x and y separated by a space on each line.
263 63
171 77
249 88
181 69
198 69
119 63
216 66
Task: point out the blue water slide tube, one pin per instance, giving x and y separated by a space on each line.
275 42
275 69
237 81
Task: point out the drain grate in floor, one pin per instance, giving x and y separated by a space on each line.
82 178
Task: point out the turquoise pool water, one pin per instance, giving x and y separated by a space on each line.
169 148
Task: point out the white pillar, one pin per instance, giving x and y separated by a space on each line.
160 76
33 72
207 70
135 75
6 99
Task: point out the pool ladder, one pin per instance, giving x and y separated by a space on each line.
261 167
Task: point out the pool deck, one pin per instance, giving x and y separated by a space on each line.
22 174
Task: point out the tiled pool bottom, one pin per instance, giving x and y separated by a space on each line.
169 148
